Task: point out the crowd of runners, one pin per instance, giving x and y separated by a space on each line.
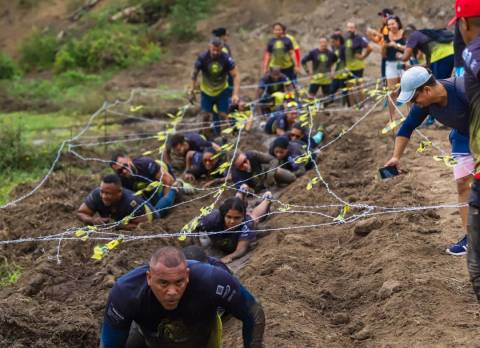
179 298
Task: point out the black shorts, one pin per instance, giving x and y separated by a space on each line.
357 74
290 73
313 89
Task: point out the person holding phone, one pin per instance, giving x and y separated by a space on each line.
447 102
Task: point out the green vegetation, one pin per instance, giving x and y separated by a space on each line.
72 91
116 45
64 77
185 14
9 273
8 68
29 144
37 52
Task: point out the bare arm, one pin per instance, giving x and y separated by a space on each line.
242 248
188 160
166 179
87 216
407 54
366 52
292 55
399 148
266 61
236 84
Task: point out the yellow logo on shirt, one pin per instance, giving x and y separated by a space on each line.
215 68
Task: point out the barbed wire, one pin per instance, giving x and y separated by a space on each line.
105 232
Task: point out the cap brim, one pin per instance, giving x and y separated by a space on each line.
452 21
405 96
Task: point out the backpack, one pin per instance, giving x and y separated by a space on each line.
439 35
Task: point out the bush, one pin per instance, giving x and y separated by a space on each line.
114 46
13 147
18 153
8 68
38 51
185 15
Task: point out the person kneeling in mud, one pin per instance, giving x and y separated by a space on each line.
112 203
237 226
289 156
146 177
299 134
258 170
205 165
282 121
179 144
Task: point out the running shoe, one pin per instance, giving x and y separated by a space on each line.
458 249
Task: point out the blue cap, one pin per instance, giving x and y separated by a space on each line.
413 78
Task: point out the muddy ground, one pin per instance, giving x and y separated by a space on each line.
389 284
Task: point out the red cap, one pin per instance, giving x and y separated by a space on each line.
465 8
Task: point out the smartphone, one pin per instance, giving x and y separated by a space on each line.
388 172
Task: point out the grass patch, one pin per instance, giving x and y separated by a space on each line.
9 273
72 91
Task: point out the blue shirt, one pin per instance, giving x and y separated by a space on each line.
187 326
129 205
144 172
251 178
227 241
455 115
214 72
271 86
471 57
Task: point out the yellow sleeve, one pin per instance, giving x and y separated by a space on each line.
296 46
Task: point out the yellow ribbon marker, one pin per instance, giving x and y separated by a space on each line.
113 244
221 168
303 117
284 208
161 136
82 234
99 252
153 185
136 108
227 147
392 125
343 213
126 220
191 226
206 210
228 130
221 189
303 159
449 161
423 146
312 182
